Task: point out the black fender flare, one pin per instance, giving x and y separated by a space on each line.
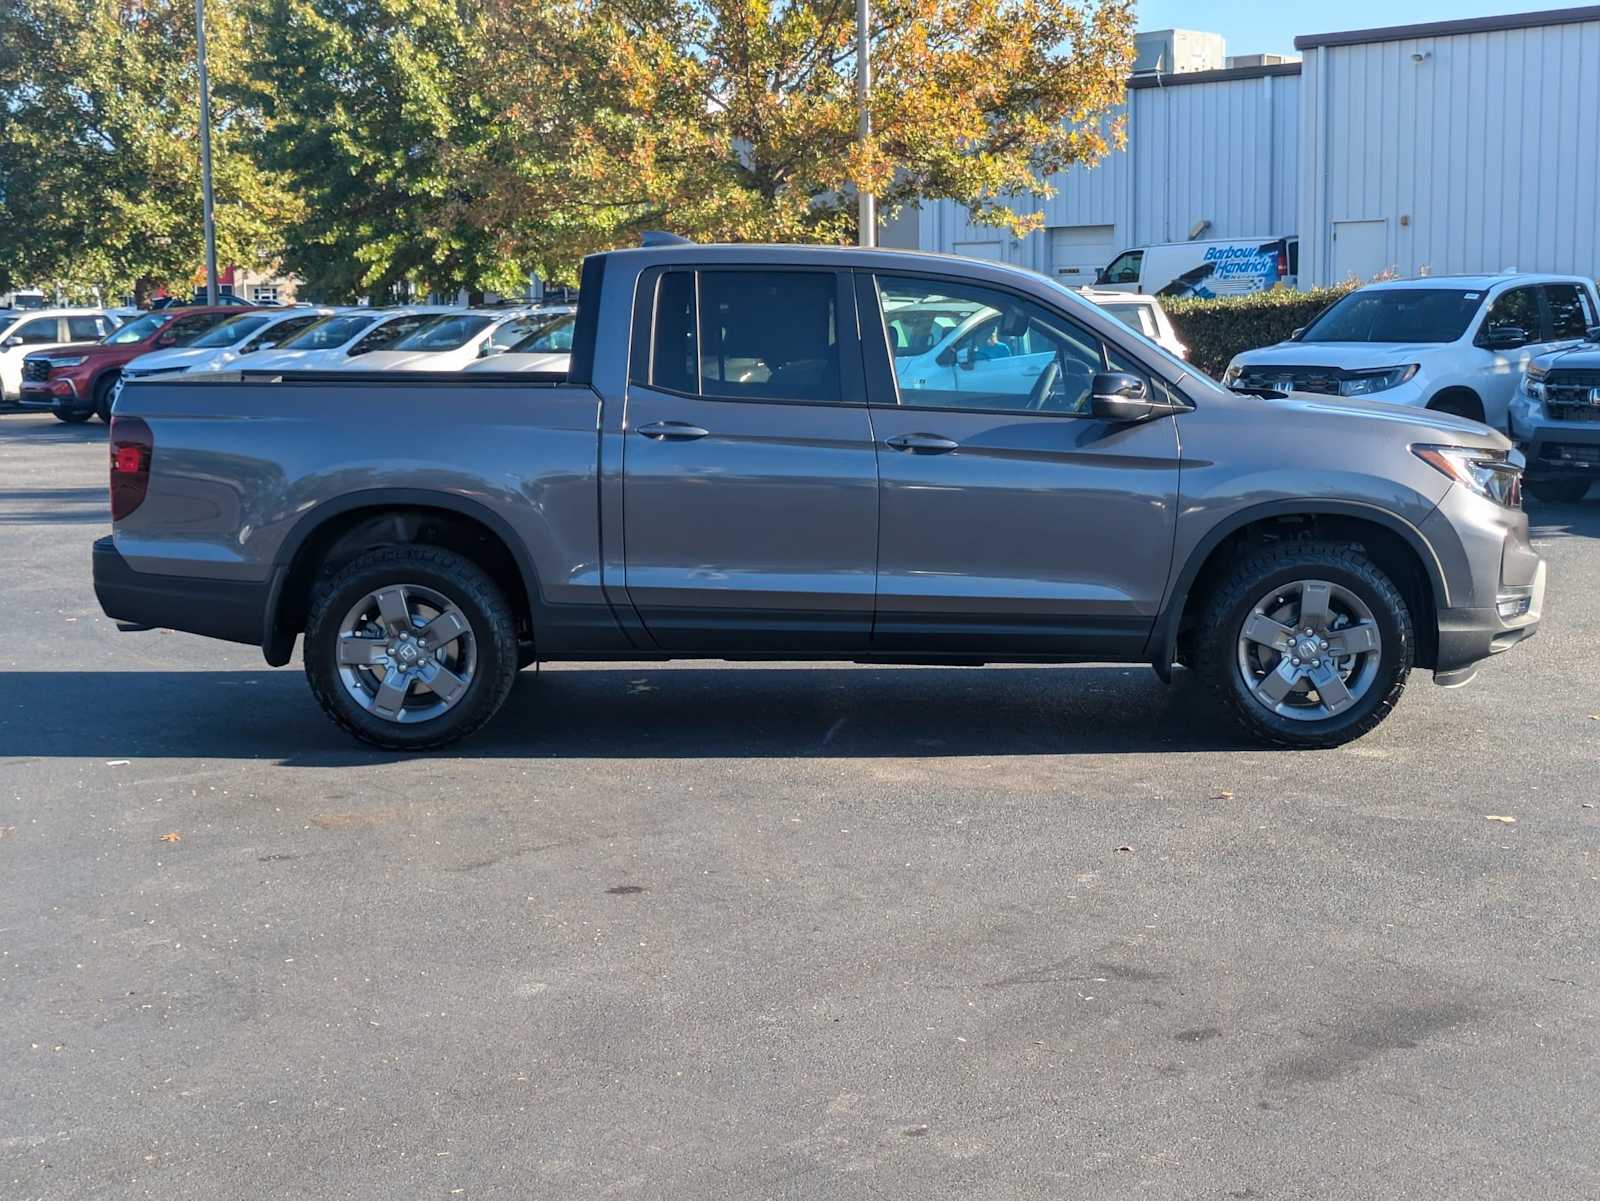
1163 644
278 644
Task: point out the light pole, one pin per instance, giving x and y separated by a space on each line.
866 204
205 153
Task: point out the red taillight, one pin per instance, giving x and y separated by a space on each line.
132 447
1283 262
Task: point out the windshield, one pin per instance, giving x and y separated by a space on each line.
553 337
232 331
444 333
137 331
335 331
1397 315
1137 316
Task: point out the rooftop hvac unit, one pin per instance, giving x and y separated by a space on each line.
1177 51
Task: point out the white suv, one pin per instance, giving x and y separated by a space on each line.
1455 344
23 331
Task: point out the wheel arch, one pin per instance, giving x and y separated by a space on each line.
1396 544
1460 392
338 530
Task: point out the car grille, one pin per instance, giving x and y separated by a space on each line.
35 371
1569 452
1321 380
1573 395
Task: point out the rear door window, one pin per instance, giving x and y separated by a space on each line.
87 329
748 335
1571 310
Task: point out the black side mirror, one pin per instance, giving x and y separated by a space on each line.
1592 334
1100 275
1118 396
1506 337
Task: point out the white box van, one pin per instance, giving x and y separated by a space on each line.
1224 267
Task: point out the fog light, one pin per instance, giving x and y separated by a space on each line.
1514 606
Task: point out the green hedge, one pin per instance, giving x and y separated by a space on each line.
1216 330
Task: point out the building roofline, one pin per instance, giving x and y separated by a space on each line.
1441 29
1178 79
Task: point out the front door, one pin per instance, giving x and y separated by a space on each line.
750 487
1011 521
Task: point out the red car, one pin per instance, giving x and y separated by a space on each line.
75 381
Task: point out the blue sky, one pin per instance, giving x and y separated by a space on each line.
1252 26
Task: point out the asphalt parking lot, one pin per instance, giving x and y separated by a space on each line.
780 932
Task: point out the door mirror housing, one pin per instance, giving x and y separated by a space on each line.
13 342
1506 337
167 339
1297 334
1119 396
1592 334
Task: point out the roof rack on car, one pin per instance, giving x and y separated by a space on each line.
660 237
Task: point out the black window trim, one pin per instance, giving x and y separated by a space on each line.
852 386
881 374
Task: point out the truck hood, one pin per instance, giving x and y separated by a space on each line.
1423 425
1584 357
544 361
404 360
1348 356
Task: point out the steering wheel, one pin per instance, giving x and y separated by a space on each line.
1039 396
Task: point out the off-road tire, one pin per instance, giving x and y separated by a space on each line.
1256 572
454 576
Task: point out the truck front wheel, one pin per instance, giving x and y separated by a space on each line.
1306 644
410 647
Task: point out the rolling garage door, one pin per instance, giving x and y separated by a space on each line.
1078 251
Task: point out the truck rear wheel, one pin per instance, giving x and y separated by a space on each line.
1306 644
410 647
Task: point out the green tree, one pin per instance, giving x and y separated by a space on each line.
736 119
366 102
99 147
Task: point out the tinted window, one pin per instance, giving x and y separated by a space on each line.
138 331
335 331
1136 315
1517 309
771 335
513 332
554 337
1124 268
38 332
1571 310
284 330
87 329
990 350
1396 315
444 333
185 330
232 331
390 332
673 352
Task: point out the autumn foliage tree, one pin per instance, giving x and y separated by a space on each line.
737 119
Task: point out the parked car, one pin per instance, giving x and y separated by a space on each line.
1223 267
75 382
331 342
1143 313
24 298
733 468
26 331
547 348
450 341
225 345
1455 344
1555 420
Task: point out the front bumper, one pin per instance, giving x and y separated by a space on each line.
1556 449
233 610
58 394
1495 581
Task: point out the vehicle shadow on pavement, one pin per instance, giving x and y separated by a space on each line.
643 712
34 427
1547 519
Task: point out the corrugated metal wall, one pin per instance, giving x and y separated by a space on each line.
1478 151
1226 152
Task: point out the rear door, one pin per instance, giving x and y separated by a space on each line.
1500 371
1012 521
750 487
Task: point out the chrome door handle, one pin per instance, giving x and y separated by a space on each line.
922 444
672 431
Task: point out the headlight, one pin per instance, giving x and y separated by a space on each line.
65 362
1489 473
1364 383
1533 383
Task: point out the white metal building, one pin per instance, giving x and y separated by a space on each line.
1468 145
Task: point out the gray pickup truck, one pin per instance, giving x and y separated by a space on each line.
767 452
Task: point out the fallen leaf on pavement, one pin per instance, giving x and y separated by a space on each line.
1125 849
1224 795
1495 817
172 836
